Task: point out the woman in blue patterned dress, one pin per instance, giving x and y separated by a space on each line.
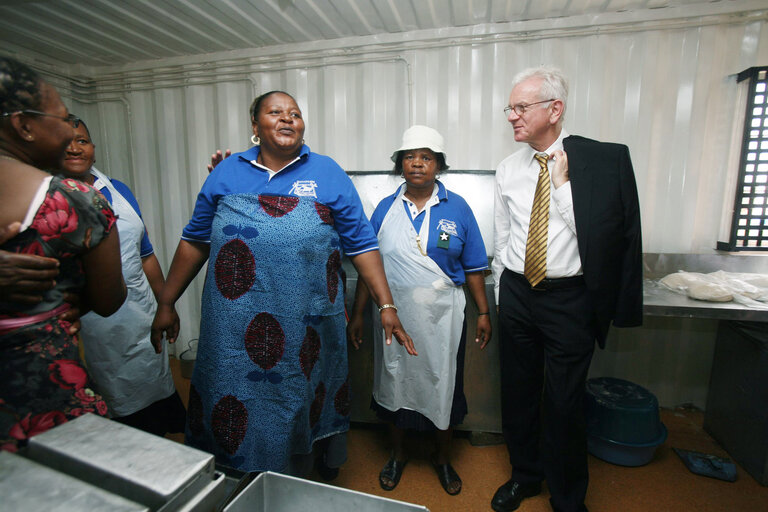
271 376
42 383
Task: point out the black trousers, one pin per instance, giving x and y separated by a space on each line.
547 338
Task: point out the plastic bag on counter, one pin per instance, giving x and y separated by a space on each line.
748 289
753 286
697 286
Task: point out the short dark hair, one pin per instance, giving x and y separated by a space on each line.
19 86
398 169
256 105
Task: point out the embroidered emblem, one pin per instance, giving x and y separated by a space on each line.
448 226
305 188
443 240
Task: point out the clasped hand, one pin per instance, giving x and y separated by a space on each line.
560 169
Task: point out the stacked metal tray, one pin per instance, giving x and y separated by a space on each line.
273 492
27 485
153 472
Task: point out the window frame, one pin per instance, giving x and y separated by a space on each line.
737 242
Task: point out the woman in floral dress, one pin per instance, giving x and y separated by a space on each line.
42 382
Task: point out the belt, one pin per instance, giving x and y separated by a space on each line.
9 324
557 283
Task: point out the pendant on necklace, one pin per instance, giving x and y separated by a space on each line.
418 244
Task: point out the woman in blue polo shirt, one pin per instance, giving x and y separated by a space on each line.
271 378
135 381
431 246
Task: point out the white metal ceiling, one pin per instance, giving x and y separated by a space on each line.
114 32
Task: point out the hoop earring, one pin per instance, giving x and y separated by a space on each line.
256 141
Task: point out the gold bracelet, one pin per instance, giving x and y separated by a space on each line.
387 306
486 313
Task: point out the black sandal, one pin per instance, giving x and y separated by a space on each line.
447 476
391 471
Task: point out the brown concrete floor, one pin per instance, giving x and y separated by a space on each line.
665 484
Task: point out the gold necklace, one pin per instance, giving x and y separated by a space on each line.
418 237
418 244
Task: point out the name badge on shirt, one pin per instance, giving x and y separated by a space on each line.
443 240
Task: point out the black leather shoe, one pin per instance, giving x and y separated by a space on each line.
511 494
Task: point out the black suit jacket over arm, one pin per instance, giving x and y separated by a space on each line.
607 216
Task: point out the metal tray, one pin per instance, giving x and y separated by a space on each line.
27 485
273 492
151 470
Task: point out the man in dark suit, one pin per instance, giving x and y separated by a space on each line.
567 262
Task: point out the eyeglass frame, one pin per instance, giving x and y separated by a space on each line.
71 118
509 108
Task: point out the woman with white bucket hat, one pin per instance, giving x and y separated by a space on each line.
431 245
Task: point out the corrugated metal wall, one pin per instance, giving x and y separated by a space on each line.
666 90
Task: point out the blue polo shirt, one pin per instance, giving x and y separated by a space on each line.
455 242
310 175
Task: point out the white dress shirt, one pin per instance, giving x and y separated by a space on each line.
516 179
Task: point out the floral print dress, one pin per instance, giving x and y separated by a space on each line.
42 381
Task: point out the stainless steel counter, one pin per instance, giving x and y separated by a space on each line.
659 301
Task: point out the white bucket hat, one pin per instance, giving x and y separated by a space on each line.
418 136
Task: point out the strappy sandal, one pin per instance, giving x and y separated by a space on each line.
448 477
392 471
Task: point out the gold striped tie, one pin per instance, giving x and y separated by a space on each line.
536 246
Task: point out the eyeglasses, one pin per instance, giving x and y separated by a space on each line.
521 108
71 118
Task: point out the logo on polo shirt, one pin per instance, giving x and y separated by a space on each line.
448 226
304 188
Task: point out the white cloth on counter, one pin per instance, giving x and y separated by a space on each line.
720 286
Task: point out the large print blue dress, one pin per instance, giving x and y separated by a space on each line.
271 374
